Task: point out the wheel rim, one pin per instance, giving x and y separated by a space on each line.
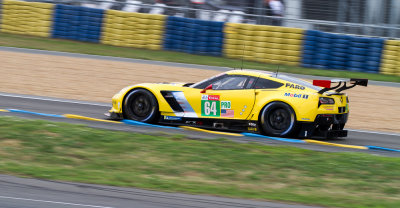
141 105
279 119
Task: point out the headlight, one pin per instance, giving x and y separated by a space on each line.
326 100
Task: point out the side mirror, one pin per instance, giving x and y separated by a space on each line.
209 87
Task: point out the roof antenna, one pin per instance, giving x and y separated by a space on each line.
241 67
277 71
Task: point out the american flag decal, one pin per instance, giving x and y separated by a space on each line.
227 113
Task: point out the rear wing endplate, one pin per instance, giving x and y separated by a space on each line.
342 84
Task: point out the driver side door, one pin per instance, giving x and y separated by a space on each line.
231 97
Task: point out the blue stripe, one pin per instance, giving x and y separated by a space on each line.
274 138
137 123
382 148
35 113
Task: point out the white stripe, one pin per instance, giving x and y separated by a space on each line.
374 132
54 202
53 99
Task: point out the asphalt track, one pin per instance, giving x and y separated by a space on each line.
34 193
55 106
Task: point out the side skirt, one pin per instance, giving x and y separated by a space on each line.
214 124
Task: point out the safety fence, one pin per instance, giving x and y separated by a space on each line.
262 43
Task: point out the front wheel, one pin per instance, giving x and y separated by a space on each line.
141 105
278 119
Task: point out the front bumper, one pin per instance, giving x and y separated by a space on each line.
326 126
114 116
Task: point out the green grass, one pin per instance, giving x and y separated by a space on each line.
60 151
21 41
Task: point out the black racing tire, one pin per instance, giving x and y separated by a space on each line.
141 105
278 119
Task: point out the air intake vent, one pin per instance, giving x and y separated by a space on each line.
169 97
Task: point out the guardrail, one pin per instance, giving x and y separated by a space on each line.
262 43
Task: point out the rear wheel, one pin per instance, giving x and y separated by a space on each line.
141 105
278 119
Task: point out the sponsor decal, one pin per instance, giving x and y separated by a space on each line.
225 104
294 95
329 108
210 105
251 129
252 124
210 108
294 86
172 118
227 113
305 119
194 123
213 97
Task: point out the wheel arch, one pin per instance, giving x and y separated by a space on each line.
276 100
153 116
162 104
295 127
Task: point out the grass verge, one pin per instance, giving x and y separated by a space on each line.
220 167
22 41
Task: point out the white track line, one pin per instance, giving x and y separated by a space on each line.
374 132
53 202
53 99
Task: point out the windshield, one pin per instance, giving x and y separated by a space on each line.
298 81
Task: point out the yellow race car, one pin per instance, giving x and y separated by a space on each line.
242 100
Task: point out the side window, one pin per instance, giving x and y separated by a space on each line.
230 83
250 82
267 84
203 84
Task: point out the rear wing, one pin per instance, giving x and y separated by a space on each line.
342 84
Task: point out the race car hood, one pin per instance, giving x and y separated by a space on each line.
177 84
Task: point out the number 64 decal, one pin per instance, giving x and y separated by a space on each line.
210 108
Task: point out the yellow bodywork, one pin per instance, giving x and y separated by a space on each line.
244 104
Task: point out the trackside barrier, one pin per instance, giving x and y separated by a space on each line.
333 51
263 43
136 30
28 18
391 58
77 23
137 123
194 36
